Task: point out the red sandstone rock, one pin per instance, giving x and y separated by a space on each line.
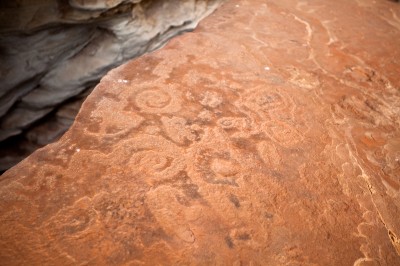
269 136
53 52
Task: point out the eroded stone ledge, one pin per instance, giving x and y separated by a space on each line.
53 53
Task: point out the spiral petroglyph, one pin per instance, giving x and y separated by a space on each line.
156 100
155 166
152 157
217 167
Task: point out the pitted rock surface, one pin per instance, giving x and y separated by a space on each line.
269 136
54 52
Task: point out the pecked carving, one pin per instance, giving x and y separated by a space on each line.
217 167
265 99
163 198
211 99
151 158
283 133
244 142
233 123
157 100
178 130
269 154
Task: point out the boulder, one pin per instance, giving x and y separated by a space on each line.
268 136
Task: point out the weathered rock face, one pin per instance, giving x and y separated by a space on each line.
52 52
270 135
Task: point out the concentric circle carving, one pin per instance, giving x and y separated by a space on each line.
156 100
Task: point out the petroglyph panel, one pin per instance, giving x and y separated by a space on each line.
270 135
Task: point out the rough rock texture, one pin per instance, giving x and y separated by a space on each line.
53 51
269 136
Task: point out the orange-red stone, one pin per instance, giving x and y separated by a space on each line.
269 136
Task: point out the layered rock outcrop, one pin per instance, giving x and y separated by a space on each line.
269 136
54 52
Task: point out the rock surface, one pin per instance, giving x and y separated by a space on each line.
269 136
51 51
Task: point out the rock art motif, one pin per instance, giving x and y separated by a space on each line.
269 136
158 101
54 53
264 100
